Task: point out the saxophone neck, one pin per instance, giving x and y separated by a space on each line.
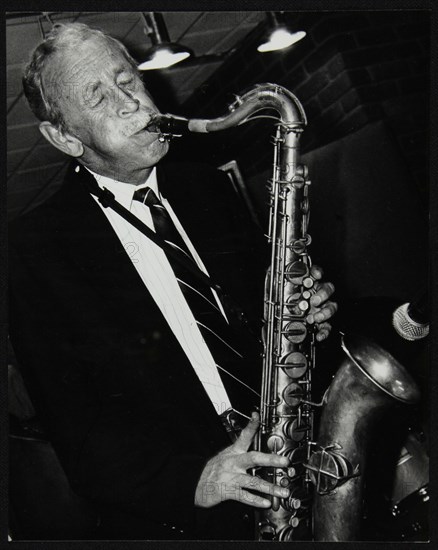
261 97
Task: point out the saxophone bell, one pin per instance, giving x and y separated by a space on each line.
367 384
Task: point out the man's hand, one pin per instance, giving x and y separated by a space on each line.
225 475
321 308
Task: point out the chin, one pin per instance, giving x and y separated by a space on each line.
161 150
146 157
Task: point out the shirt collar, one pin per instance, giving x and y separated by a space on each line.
123 191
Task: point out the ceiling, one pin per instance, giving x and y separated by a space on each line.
34 167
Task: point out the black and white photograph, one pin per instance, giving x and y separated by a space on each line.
219 274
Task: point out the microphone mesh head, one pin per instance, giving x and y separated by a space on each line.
406 327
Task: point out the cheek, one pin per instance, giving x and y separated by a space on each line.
148 154
104 133
144 98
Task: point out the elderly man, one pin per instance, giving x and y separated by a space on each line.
118 369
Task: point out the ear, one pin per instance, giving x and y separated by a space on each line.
63 141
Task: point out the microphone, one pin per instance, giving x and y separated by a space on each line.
411 320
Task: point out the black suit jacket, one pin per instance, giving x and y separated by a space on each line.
125 411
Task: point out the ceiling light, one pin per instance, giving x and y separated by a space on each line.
163 53
278 36
40 23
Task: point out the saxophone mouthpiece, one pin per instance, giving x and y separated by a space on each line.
168 126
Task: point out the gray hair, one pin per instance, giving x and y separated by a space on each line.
62 37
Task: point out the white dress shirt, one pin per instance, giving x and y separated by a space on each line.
156 273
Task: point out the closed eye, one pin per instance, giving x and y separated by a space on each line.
128 81
98 102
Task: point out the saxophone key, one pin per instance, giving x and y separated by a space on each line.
295 332
300 245
305 205
292 505
292 309
275 442
302 170
294 521
299 498
293 394
266 531
294 430
298 529
296 271
297 457
284 481
308 282
294 364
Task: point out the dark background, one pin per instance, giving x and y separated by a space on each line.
363 79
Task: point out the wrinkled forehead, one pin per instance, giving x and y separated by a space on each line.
81 63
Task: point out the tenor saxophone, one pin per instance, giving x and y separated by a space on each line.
325 476
285 406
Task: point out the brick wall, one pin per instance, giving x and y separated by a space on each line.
351 69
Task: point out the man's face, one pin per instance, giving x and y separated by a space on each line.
106 106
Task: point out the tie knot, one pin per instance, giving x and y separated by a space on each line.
147 196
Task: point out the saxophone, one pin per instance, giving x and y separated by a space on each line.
324 477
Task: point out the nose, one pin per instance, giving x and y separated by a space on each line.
127 104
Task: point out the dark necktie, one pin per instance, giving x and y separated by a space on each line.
220 338
164 227
198 294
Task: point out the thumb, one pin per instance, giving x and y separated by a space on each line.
246 436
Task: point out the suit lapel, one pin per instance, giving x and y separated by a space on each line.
92 242
95 248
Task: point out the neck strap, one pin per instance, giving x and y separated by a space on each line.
108 200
